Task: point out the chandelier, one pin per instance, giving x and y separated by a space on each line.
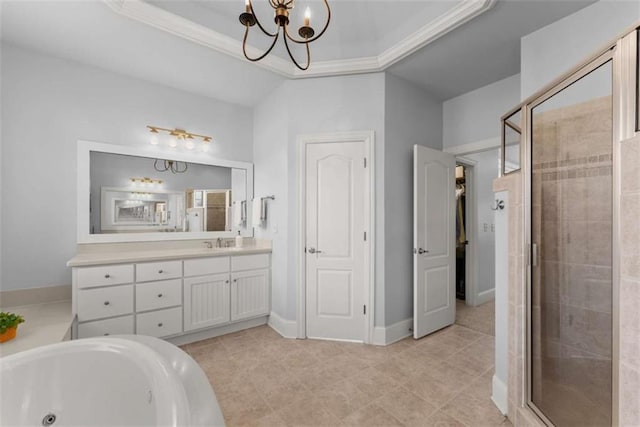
170 165
281 11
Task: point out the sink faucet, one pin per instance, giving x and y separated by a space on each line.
219 243
209 245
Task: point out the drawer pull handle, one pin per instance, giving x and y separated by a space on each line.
160 271
107 333
106 303
159 295
160 325
106 276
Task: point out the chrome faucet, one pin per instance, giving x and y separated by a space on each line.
219 243
209 245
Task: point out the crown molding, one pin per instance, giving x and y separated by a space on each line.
171 23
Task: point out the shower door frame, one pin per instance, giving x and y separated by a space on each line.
613 53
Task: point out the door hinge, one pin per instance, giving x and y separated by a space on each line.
365 236
364 309
365 162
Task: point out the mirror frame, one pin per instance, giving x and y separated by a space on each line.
83 191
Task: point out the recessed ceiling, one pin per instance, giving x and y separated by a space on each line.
446 46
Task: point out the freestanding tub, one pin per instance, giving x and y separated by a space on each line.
127 380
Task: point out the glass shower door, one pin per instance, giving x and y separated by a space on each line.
571 231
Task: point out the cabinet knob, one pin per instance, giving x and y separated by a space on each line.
159 295
226 281
106 276
160 271
106 303
107 333
235 280
160 325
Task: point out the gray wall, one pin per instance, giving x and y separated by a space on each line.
555 49
475 116
115 170
486 170
347 103
412 117
48 104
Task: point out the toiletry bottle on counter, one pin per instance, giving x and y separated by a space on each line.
238 240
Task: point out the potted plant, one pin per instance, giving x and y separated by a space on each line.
8 325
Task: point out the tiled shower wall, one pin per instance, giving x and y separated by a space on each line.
629 315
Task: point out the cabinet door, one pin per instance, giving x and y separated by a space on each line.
250 295
206 301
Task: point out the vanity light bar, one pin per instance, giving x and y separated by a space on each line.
179 135
146 180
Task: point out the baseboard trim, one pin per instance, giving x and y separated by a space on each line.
29 296
485 296
204 334
385 335
286 328
499 395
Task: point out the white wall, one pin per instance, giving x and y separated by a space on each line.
47 105
485 171
412 117
347 103
270 156
475 116
551 51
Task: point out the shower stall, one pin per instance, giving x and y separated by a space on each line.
572 135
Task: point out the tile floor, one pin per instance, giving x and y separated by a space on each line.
261 378
479 318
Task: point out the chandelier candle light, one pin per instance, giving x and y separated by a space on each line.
282 8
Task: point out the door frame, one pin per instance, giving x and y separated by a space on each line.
471 264
368 138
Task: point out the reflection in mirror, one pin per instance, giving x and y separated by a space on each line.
129 195
511 134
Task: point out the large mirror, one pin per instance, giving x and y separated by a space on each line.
133 194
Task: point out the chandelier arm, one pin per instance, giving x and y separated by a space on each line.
326 25
294 60
155 166
244 46
259 24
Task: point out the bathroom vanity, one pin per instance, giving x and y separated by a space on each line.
179 293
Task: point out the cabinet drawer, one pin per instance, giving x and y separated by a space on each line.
249 262
160 323
104 302
117 326
204 266
158 270
104 275
155 295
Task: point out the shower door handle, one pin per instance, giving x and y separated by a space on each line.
534 255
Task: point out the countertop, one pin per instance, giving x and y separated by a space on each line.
102 258
44 324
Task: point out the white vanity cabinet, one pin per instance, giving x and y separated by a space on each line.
170 298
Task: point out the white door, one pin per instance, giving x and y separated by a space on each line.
335 195
434 240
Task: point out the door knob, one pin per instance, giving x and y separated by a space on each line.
422 251
314 251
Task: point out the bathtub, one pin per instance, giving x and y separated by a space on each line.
127 380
